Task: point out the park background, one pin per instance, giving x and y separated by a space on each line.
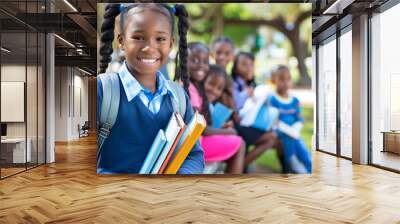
276 33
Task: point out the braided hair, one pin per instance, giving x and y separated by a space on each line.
235 73
107 33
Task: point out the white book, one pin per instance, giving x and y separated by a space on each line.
171 133
153 153
293 132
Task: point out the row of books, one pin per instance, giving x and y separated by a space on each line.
172 145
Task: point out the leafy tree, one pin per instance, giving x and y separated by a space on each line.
239 20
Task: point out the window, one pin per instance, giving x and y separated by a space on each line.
385 87
346 93
327 96
22 76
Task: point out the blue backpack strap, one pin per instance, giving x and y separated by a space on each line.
109 107
179 106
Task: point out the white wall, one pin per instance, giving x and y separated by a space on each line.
15 73
33 126
80 115
61 103
71 93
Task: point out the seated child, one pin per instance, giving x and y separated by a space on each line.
224 141
243 78
290 123
219 144
222 50
243 90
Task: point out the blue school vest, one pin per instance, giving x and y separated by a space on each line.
130 139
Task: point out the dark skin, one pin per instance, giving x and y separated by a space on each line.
283 82
245 69
214 86
270 140
198 64
147 41
267 141
223 53
198 67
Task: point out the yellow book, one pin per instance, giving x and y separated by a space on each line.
192 133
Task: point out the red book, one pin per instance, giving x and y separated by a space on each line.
182 126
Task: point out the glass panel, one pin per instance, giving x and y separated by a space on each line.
41 99
32 86
23 82
31 101
327 97
13 93
346 94
386 89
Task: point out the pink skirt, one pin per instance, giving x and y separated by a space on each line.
219 147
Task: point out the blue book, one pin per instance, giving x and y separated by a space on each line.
173 132
266 117
154 152
220 114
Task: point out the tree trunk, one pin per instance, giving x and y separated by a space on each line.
219 23
305 80
300 51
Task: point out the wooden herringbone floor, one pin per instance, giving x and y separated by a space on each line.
70 191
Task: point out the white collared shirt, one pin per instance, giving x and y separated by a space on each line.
133 88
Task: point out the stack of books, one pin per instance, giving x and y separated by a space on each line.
172 145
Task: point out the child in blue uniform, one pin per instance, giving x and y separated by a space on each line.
290 123
243 78
146 97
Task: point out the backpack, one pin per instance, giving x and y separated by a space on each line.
110 105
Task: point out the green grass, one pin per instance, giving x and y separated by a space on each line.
270 158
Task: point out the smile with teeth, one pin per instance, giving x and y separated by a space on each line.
148 61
